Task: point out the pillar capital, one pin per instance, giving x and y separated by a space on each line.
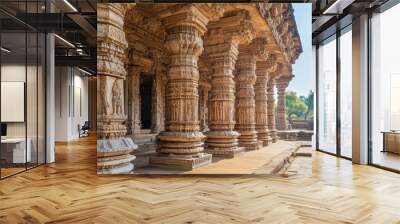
266 68
234 27
111 42
282 83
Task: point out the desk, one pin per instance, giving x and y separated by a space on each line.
391 141
13 150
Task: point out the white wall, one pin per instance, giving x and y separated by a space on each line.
12 73
71 93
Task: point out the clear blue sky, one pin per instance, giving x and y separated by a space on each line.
303 69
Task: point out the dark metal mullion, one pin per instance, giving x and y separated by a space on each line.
26 87
45 89
45 95
37 91
369 90
317 97
338 93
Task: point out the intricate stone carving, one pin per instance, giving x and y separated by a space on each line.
232 94
280 18
281 85
221 49
181 145
270 108
263 71
113 148
117 98
245 102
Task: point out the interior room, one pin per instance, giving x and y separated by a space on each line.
22 99
42 77
68 90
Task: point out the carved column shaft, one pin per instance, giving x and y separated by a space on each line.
245 104
181 146
113 148
271 112
281 106
222 138
262 102
157 107
134 99
203 108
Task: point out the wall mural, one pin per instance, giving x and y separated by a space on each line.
204 76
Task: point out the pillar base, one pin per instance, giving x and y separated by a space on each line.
226 153
223 144
264 137
125 168
181 162
274 136
113 155
248 140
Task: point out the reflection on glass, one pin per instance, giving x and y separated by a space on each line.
385 86
31 97
41 99
22 90
346 94
327 96
14 153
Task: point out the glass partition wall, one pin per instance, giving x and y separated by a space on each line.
334 75
22 77
327 96
345 62
385 89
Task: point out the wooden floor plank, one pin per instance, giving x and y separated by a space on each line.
330 190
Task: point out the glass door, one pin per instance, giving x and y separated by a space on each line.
327 96
346 92
385 89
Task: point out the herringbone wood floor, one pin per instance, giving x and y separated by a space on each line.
71 192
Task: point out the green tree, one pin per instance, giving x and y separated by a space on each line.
294 105
309 101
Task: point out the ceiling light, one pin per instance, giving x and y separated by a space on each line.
5 50
65 41
70 5
84 71
337 7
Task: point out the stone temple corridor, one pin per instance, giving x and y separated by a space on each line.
193 82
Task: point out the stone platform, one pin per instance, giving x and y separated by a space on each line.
267 161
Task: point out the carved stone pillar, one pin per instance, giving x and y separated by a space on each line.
113 148
245 101
222 44
181 145
203 107
158 91
222 138
264 68
281 85
271 112
134 122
